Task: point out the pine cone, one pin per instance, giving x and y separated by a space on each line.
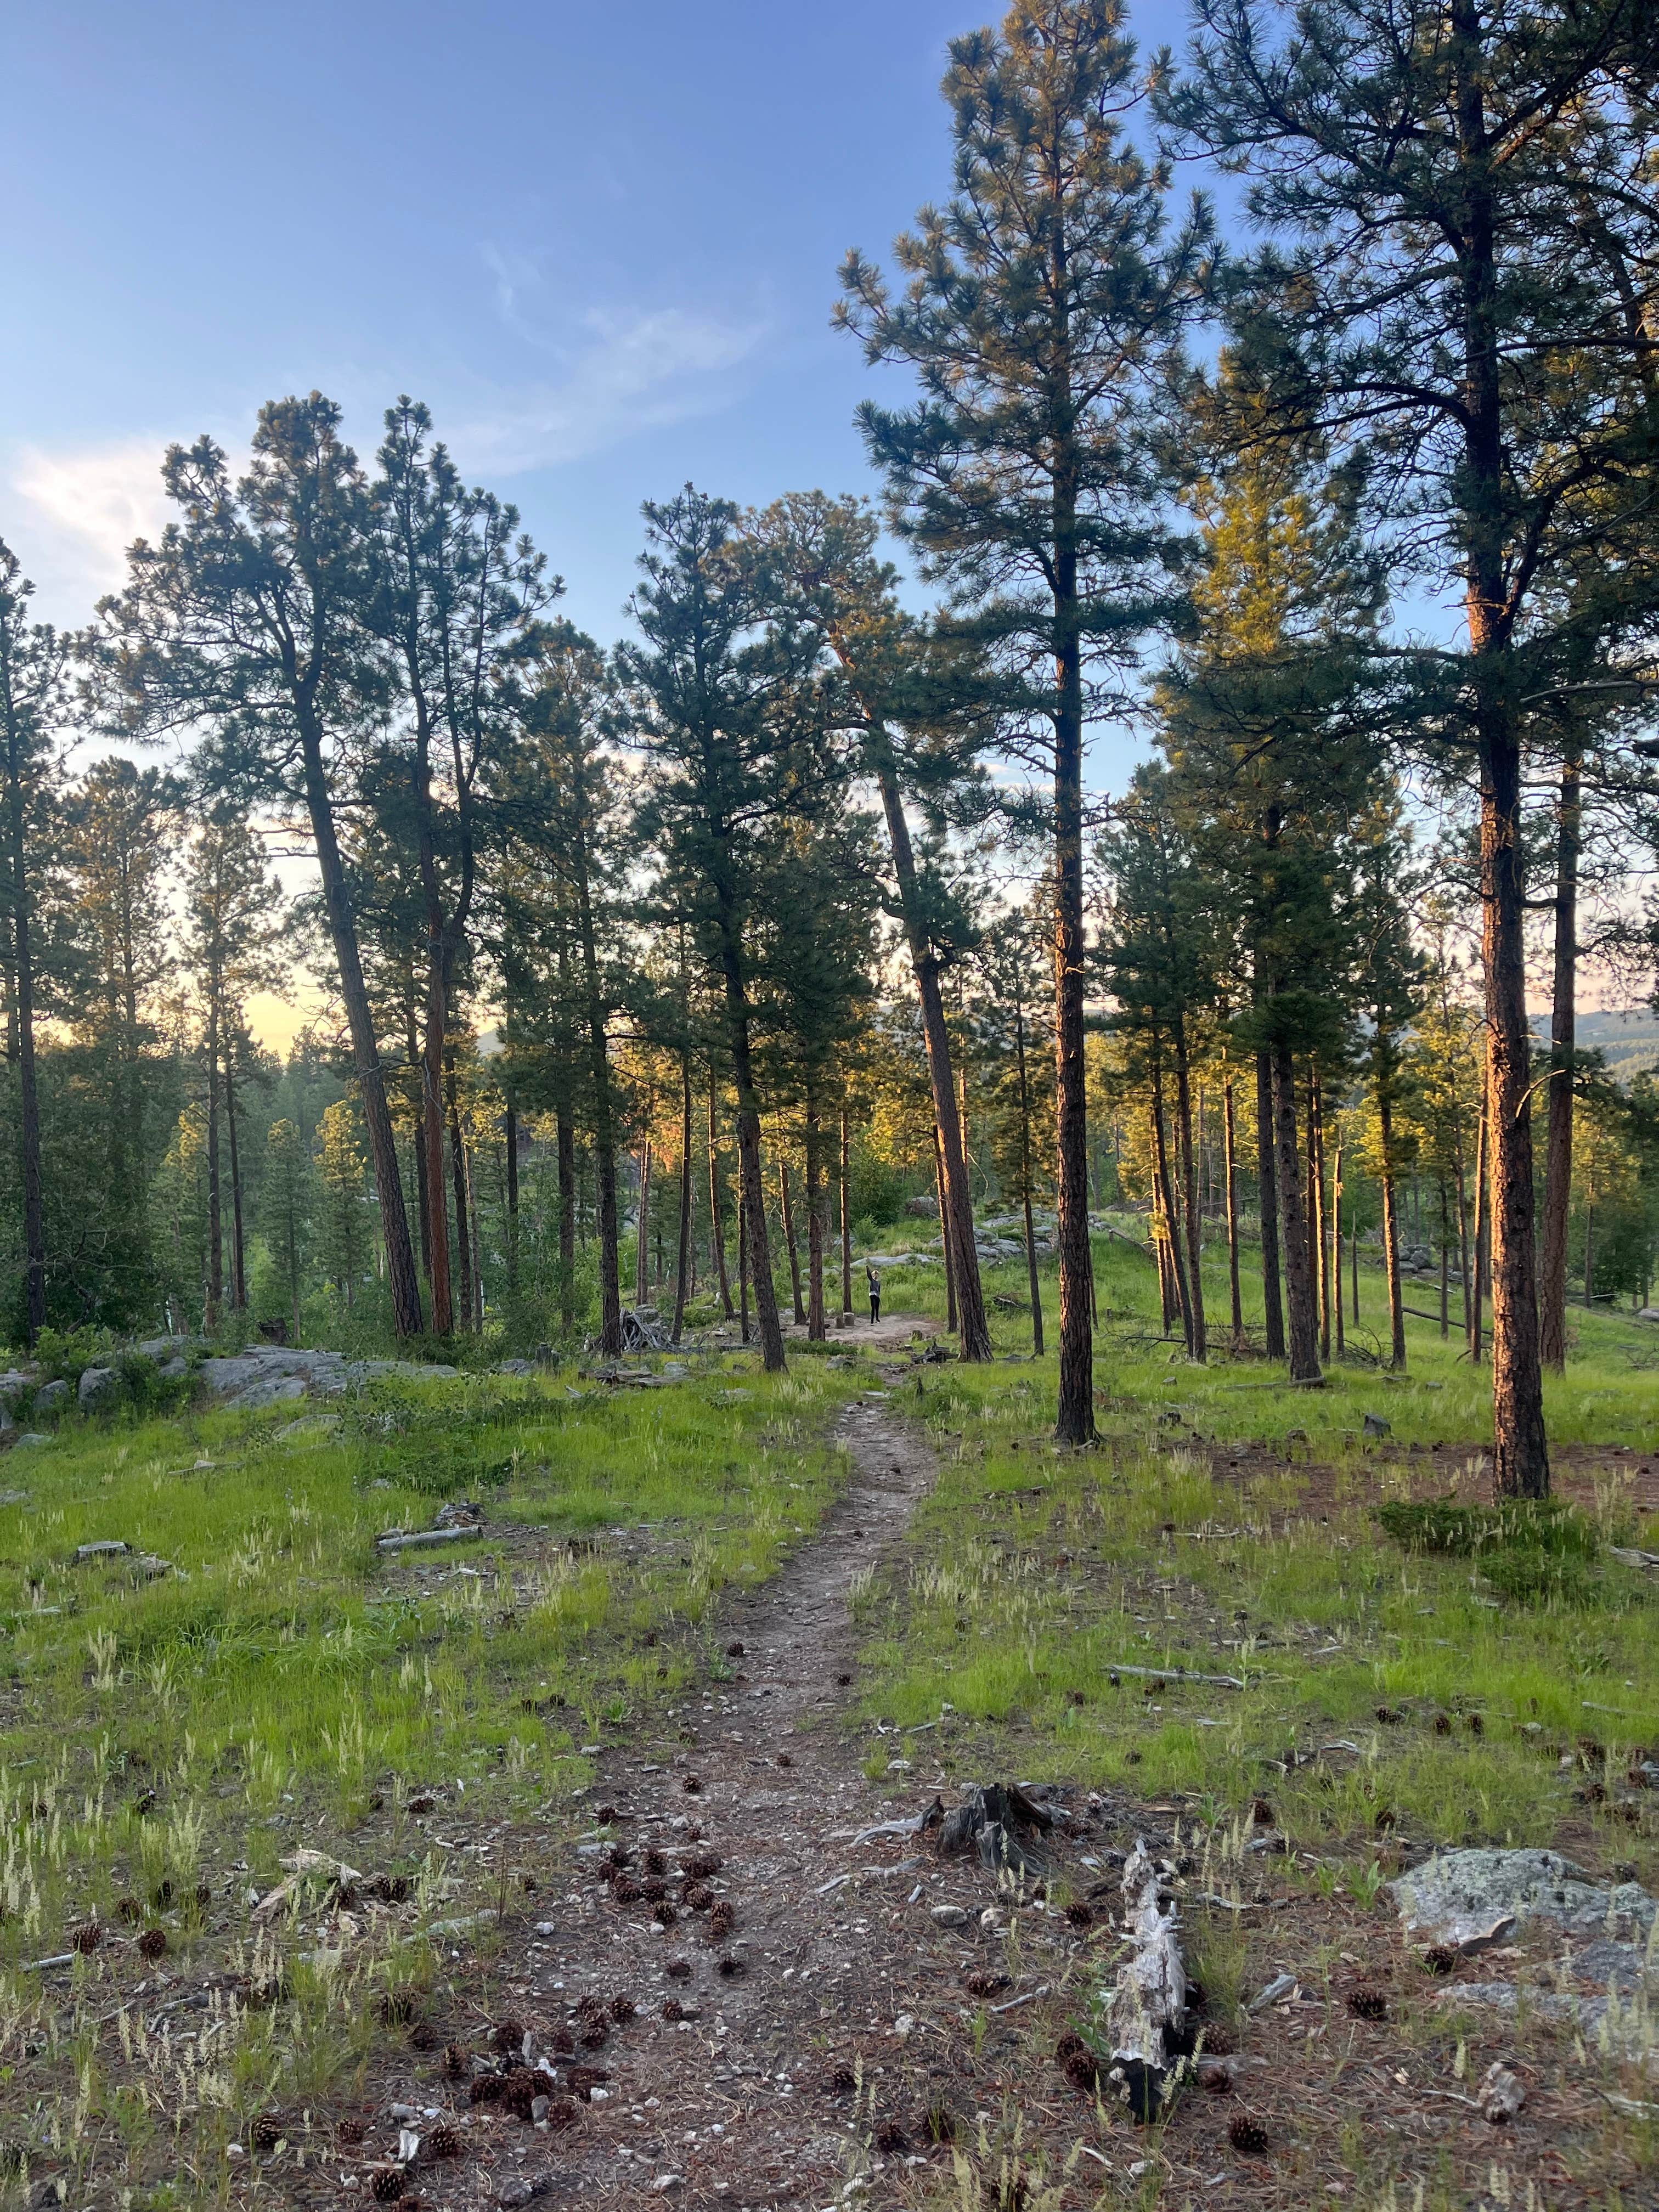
1440 1959
131 1910
87 1937
153 1943
562 2043
889 2138
521 2088
697 1897
1080 1916
456 2059
1247 2135
268 2130
654 1861
562 2112
721 1920
388 2186
622 2008
1368 2004
486 2089
443 2141
701 1864
351 2129
397 2007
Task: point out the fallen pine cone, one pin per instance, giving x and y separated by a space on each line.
562 2043
654 1861
1390 1715
130 1910
840 2081
1442 1724
521 2088
268 2131
388 2186
486 2089
424 1803
153 1943
622 2008
87 1937
1068 2045
692 1784
1367 2003
397 2007
980 1984
562 2112
678 1969
444 2141
508 2032
1440 1959
351 2128
672 2009
626 1890
889 2138
721 1920
1247 2135
422 2036
664 1915
731 1968
584 2080
701 1864
456 2059
1263 1813
697 1897
603 1815
1080 1916
654 1890
784 1759
1217 2039
1082 2070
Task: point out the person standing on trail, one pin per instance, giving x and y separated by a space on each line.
874 1281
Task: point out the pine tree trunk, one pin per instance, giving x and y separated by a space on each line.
1032 1277
1391 1226
758 1243
1166 1199
974 1342
1589 1257
642 1249
743 1260
1230 1169
1557 1156
787 1212
238 1240
433 1047
716 1210
1445 1263
816 1329
470 1172
1336 1243
1301 1293
846 1213
457 1176
682 1260
565 1140
943 1198
360 1018
1075 1417
1475 1319
510 1144
1198 1342
422 1201
216 1281
1268 1182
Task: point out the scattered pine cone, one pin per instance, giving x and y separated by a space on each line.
87 1937
678 1969
603 1815
890 2138
397 2007
653 1889
692 1784
387 2185
1263 1813
626 1890
1082 2070
1442 1724
456 2058
161 1895
722 1919
1080 1916
1218 2082
426 1802
654 1861
153 1943
1440 1959
1068 2045
840 2081
672 2009
693 1833
521 2088
508 2034
486 2089
980 1984
734 1651
592 2032
784 1759
130 1910
1390 1715
616 1859
701 1864
1217 2039
562 2043
268 2131
622 2008
664 1915
843 1682
731 1968
422 2036
203 1895
1477 1724
351 2128
1247 2135
444 2141
584 2080
1367 2003
697 1897
562 2113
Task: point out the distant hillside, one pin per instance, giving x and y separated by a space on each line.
1629 1040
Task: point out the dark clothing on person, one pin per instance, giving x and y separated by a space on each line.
874 1281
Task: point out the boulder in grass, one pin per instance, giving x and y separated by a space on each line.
100 1391
51 1398
1467 1898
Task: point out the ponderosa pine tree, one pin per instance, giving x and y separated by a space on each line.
247 614
454 586
1045 301
32 661
1426 294
720 701
1008 1022
826 564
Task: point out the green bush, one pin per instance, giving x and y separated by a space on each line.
1528 1551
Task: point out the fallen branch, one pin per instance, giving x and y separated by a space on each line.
1177 1674
1146 2012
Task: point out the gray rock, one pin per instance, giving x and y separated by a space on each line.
163 1347
1375 1425
107 1547
1474 1897
51 1397
949 1916
515 1367
101 1389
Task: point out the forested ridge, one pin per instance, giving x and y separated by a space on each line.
669 971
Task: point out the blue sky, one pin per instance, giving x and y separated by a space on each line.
601 243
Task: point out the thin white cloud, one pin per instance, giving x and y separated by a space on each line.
77 513
629 371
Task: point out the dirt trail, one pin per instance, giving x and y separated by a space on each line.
832 1953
